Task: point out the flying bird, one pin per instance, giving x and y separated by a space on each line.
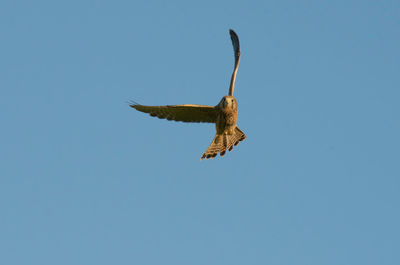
224 115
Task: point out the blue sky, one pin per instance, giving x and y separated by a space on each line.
84 179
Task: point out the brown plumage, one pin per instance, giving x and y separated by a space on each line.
224 115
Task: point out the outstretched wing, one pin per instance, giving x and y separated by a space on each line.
185 113
236 53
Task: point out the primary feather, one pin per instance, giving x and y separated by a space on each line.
184 113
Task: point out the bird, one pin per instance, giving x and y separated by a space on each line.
224 114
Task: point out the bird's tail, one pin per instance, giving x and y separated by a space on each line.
221 142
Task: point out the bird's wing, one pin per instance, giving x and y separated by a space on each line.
236 53
185 113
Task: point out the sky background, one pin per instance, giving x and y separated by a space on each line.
84 179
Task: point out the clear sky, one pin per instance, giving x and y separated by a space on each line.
84 179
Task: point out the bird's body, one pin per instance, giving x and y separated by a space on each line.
227 115
224 115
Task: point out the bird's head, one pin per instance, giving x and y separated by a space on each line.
228 102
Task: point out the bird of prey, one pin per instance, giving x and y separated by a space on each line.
224 115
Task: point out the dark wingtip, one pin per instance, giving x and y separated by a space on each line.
132 103
233 34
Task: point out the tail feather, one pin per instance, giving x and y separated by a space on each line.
221 142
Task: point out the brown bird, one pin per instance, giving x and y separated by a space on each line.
224 115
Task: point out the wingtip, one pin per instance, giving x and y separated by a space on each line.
232 32
235 42
133 104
